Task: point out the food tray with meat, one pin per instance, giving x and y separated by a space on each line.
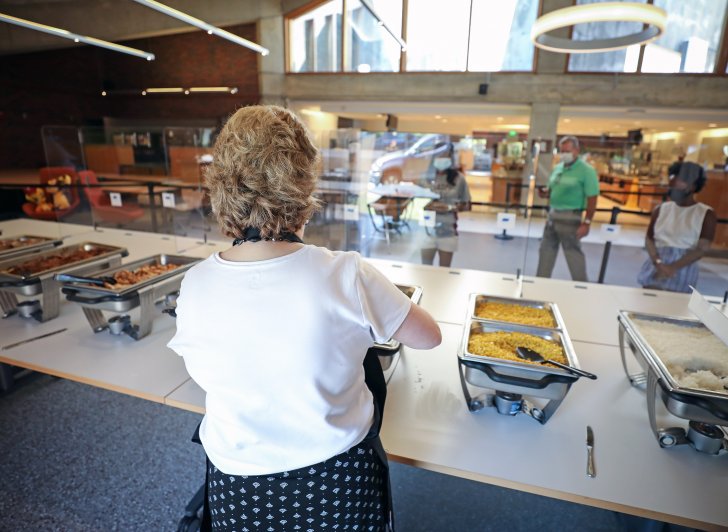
542 314
19 245
27 269
129 278
689 362
488 353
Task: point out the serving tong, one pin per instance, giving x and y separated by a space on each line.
96 281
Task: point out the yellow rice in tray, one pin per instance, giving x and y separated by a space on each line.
514 313
503 344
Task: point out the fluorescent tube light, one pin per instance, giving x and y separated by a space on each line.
212 30
164 89
58 32
214 89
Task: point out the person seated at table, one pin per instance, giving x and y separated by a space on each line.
454 193
276 331
679 234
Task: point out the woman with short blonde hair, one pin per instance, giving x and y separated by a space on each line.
276 332
263 173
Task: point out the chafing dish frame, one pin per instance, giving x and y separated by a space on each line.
701 406
510 380
43 282
476 298
95 299
386 351
44 244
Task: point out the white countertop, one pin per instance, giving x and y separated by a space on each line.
426 422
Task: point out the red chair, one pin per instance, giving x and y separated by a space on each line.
53 172
101 205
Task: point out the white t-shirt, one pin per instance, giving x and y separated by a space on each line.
278 345
679 227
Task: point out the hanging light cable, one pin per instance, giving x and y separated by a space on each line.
209 28
383 24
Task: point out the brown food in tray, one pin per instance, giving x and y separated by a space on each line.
514 313
130 277
502 344
55 260
12 243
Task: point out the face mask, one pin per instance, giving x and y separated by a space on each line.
677 194
566 157
442 163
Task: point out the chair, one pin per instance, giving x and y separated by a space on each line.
392 211
101 205
53 172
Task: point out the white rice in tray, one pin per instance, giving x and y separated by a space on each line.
694 356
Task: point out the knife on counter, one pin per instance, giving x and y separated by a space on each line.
590 469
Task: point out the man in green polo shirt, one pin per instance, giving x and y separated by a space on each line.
572 189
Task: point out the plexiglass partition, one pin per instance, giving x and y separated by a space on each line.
379 197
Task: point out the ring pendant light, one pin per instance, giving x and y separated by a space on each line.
654 17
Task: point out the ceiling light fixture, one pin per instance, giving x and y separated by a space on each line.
58 32
164 90
380 22
654 17
712 124
211 30
214 89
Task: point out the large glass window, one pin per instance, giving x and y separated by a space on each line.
690 42
500 35
437 39
624 60
370 47
315 39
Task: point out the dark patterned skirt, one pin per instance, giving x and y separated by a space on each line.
346 492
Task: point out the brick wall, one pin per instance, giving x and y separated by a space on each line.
63 87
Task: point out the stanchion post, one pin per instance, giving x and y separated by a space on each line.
607 247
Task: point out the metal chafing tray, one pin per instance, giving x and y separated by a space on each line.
30 283
705 409
387 351
124 298
20 245
476 299
512 380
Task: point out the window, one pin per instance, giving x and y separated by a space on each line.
500 35
624 60
692 37
315 39
437 39
463 35
690 42
370 47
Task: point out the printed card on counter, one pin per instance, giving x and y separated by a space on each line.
506 220
428 218
168 200
351 212
610 232
115 199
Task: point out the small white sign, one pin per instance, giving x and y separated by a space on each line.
506 220
115 199
428 218
168 200
610 232
338 211
351 212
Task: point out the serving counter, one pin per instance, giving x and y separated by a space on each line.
426 421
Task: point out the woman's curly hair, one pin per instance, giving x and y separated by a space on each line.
263 172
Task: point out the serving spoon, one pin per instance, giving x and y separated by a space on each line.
529 354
